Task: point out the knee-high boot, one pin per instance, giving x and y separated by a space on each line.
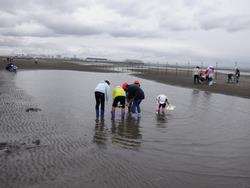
112 115
122 115
97 114
102 114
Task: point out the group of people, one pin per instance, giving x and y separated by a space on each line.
130 95
11 67
203 75
234 77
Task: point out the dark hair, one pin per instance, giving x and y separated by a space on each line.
107 82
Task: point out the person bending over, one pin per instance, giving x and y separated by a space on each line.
119 99
102 92
161 101
134 97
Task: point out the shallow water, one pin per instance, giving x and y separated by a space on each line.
204 142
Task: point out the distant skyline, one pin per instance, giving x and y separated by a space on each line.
152 31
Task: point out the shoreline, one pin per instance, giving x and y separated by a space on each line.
221 86
171 77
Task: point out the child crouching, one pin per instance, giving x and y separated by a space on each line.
161 101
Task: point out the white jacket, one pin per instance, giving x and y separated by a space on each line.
103 87
161 99
196 71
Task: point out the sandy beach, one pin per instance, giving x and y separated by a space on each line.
185 80
46 64
180 78
49 136
65 121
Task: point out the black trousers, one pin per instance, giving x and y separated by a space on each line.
162 105
121 100
100 99
196 79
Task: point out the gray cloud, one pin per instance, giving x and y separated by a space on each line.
229 23
11 42
184 26
115 18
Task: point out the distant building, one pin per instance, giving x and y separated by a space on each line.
134 61
95 59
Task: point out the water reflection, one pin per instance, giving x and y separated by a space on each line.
207 94
101 133
195 91
126 133
161 120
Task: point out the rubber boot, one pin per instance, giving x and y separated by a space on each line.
133 115
102 114
97 114
129 109
112 115
123 115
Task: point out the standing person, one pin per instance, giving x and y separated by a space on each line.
237 75
210 75
102 92
119 100
196 75
161 101
134 97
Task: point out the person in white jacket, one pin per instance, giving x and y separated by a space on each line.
102 93
196 75
161 101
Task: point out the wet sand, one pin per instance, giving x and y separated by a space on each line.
183 79
55 64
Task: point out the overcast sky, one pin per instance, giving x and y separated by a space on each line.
149 30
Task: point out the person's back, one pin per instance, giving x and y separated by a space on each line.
118 91
131 90
161 99
119 100
135 95
134 91
100 86
103 87
102 92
